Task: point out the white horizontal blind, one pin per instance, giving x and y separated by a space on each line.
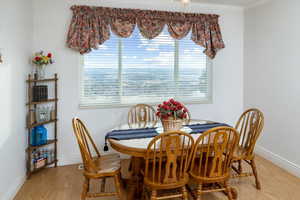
137 70
193 74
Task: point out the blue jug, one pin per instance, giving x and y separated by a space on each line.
41 135
33 137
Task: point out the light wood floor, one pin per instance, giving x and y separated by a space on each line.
65 183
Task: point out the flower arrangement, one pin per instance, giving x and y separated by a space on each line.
171 109
40 59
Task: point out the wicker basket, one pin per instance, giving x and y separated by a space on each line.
171 124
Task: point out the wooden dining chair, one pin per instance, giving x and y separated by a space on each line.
141 115
249 126
211 161
188 117
96 167
166 165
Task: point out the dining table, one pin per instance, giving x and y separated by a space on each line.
133 140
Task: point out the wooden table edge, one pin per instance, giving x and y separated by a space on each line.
136 152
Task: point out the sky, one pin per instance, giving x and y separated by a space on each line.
139 52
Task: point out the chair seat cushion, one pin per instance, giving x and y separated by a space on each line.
110 163
239 153
200 173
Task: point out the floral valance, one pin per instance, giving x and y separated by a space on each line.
90 27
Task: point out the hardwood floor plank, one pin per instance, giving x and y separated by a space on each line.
65 183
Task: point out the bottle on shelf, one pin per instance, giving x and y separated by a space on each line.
31 118
52 113
33 141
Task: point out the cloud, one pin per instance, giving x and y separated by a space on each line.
163 59
163 40
129 57
103 46
152 48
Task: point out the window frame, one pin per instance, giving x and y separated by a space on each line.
208 100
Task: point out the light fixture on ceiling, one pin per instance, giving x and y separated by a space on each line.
185 2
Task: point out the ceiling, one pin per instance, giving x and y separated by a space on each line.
243 3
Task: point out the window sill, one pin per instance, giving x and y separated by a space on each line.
112 106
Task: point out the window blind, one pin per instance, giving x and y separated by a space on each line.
134 70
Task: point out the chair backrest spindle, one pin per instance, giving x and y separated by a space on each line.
249 126
142 114
213 153
168 157
85 143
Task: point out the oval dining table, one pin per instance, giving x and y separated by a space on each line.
137 148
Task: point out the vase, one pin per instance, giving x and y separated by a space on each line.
171 124
40 72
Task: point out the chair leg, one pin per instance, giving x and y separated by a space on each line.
228 191
118 185
85 188
253 166
103 184
240 169
185 195
199 192
153 195
130 166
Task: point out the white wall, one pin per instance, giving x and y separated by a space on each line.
15 42
51 21
271 78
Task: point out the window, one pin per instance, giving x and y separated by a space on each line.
125 71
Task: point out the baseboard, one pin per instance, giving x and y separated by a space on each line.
13 189
76 158
278 160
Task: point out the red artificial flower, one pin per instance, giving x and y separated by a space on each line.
179 107
37 58
165 103
49 55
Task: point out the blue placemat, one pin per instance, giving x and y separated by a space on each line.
151 132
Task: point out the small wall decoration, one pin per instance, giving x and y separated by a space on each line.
1 61
1 57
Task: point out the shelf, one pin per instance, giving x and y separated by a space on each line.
36 170
41 102
43 80
32 103
30 148
42 123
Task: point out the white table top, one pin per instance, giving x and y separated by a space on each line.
142 143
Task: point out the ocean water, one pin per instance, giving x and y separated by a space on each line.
144 82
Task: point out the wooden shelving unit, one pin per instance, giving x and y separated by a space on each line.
31 147
33 81
39 169
41 123
41 102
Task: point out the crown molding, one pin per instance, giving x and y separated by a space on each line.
256 4
166 5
